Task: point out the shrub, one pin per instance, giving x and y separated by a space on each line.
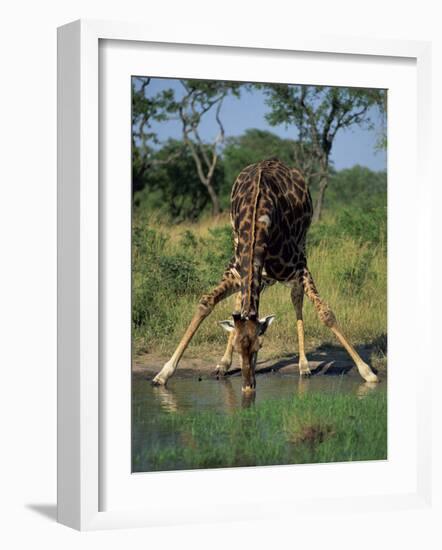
356 275
174 265
178 274
159 277
364 225
217 251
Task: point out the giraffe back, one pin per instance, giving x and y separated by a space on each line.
271 211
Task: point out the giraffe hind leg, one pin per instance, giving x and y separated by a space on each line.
225 288
327 317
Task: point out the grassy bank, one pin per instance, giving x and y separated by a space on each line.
174 264
313 428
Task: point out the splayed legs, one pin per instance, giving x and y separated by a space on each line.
327 316
228 285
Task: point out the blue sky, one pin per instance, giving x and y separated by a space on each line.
352 146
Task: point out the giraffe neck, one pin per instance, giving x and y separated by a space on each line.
252 256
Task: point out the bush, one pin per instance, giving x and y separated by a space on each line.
355 276
173 187
364 225
217 253
356 187
174 265
159 276
178 274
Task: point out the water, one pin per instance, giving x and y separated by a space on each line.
152 406
189 394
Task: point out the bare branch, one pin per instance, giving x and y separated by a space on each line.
144 85
311 116
218 120
327 139
202 148
196 158
343 122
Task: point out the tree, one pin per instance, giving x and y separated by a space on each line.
253 146
381 144
319 113
174 188
357 186
146 108
199 98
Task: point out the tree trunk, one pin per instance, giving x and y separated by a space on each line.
317 211
323 183
216 207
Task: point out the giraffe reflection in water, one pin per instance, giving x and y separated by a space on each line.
225 395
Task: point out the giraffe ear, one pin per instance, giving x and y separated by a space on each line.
264 323
227 325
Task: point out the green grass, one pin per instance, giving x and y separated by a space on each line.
313 428
174 264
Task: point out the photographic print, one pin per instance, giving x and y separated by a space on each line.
259 274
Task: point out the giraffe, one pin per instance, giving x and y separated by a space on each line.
271 211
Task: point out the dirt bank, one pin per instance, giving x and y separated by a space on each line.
326 360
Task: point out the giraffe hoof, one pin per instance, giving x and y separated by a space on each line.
305 373
371 377
220 369
158 381
367 374
304 369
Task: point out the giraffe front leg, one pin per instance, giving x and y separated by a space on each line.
327 316
297 296
225 288
226 362
170 367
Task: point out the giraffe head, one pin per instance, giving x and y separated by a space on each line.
247 340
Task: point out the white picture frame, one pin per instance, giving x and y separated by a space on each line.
80 293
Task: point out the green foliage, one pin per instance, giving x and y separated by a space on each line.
190 107
357 187
356 276
147 108
368 225
174 265
320 110
140 167
318 113
313 428
364 225
216 252
173 187
166 275
157 277
253 146
203 94
178 274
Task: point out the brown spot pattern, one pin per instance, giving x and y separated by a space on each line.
268 190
